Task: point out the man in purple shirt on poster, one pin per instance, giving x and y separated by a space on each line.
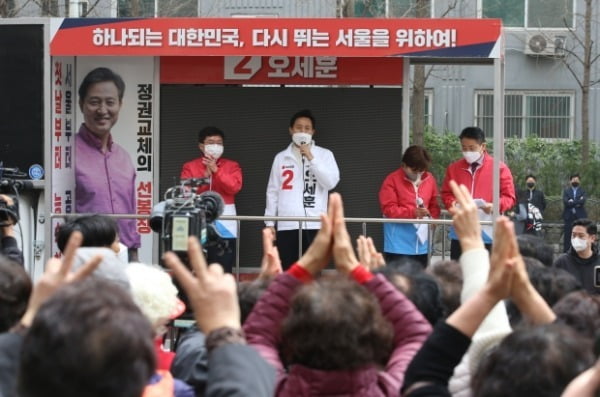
104 172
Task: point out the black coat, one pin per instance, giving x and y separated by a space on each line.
574 204
535 197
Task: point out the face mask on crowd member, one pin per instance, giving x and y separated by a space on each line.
530 183
471 149
581 239
578 244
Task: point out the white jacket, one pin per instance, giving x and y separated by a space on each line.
291 194
475 265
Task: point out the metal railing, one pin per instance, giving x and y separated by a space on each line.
444 222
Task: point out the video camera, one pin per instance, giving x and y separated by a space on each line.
185 213
11 186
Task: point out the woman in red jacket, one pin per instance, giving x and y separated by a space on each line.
410 192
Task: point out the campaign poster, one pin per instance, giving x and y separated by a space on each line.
133 144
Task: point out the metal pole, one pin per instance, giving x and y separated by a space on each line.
498 133
237 252
405 103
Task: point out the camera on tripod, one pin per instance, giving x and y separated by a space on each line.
10 186
185 213
9 213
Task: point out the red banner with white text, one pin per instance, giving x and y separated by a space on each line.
340 37
281 70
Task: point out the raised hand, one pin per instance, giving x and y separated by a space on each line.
503 261
211 292
270 264
465 218
367 253
318 254
584 385
343 252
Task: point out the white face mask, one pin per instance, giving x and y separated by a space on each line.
214 149
301 138
471 157
578 244
413 176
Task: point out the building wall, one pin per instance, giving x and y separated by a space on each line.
268 8
454 86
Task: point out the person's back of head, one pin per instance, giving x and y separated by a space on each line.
97 231
421 288
155 294
450 279
535 247
550 282
249 292
405 265
536 361
581 311
15 288
111 268
335 324
89 339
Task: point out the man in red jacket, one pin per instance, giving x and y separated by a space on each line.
224 177
475 171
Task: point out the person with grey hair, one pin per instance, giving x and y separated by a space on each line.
110 268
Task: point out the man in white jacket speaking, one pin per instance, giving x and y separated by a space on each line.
301 177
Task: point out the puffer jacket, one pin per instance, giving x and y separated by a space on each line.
263 331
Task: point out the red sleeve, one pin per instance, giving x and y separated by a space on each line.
434 207
361 274
447 196
229 178
300 273
186 171
508 197
388 200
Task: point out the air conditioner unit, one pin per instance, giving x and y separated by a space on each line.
549 44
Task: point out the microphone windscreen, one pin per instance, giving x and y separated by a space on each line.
214 205
156 217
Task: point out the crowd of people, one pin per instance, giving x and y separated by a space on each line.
95 325
502 317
